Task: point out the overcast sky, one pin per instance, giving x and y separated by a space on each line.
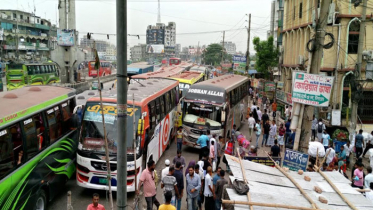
190 16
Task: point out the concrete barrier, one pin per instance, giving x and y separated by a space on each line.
83 86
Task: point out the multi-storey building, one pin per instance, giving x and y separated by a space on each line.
161 34
25 36
340 60
230 47
101 45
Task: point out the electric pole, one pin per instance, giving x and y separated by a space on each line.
122 103
354 104
303 114
248 46
222 51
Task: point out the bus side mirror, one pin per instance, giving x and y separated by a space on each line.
179 107
140 127
223 116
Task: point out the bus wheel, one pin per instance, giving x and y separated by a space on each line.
41 201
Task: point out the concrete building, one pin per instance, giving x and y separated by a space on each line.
339 61
230 47
138 53
26 35
101 45
277 22
161 34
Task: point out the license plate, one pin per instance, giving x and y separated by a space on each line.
102 181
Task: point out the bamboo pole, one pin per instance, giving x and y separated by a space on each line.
244 178
337 190
314 205
267 205
323 160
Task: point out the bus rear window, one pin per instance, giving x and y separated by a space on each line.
15 66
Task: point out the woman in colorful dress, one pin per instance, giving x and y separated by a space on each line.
281 133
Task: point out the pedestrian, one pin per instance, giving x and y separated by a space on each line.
213 139
325 139
342 160
358 176
251 122
219 151
331 154
219 189
258 131
348 148
369 195
167 205
272 134
252 152
200 198
255 115
229 150
368 178
169 184
281 133
206 163
179 158
166 169
264 99
313 127
178 174
275 150
191 163
265 116
253 107
212 151
287 131
216 178
259 114
233 132
274 109
193 186
179 138
320 128
147 178
202 141
208 191
95 205
266 128
359 143
287 113
369 144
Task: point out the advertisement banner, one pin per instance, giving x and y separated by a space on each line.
264 160
289 99
155 48
295 160
312 89
155 36
239 59
269 86
280 85
280 95
65 37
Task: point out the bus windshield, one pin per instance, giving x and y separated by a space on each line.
202 114
15 66
92 135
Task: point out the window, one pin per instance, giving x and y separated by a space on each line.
14 15
42 69
168 105
173 95
54 123
30 70
353 37
21 17
152 114
67 112
300 9
34 132
37 69
163 108
157 109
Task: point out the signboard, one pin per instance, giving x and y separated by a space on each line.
155 36
65 37
280 95
264 160
295 160
255 83
269 86
1 34
312 89
239 59
155 49
289 99
280 85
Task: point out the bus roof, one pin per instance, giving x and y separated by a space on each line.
189 77
82 98
198 68
19 103
139 65
144 92
162 73
214 90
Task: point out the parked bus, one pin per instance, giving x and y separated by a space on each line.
105 69
19 75
154 112
216 105
174 61
161 73
203 69
38 141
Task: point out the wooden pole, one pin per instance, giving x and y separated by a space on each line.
244 177
323 160
69 207
317 156
314 205
337 190
267 205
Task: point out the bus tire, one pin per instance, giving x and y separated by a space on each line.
41 201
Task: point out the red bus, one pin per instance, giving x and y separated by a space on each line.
174 61
154 111
105 68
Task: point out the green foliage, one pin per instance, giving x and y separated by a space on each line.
212 55
266 55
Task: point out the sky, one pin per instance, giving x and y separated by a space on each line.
190 16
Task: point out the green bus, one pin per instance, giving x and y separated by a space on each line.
19 75
38 143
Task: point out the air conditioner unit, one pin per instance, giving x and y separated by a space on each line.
331 13
300 60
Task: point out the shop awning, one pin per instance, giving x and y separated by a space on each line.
253 71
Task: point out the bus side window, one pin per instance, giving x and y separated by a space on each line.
34 130
29 70
53 118
163 108
153 115
37 69
48 67
168 105
42 69
158 109
67 112
173 97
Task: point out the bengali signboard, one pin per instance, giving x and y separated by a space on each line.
239 59
269 86
280 95
312 89
264 160
289 99
295 160
65 37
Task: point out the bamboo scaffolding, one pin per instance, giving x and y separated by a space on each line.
244 178
268 205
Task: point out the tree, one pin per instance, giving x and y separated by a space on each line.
212 55
266 55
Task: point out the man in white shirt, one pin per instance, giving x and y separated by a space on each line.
259 114
287 113
348 148
251 122
331 154
368 178
369 195
253 107
165 171
209 192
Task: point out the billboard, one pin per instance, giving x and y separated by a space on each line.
239 58
312 89
155 36
65 37
155 48
1 33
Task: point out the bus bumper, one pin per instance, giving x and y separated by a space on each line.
82 183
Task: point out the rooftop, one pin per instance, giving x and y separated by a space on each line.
228 81
187 75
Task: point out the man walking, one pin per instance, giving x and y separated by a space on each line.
95 205
266 128
313 127
179 158
219 151
202 142
369 144
368 178
199 172
331 155
167 205
251 122
193 183
219 189
274 109
146 178
209 192
275 150
320 128
259 114
325 139
178 174
287 131
166 169
359 143
169 184
258 131
265 117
